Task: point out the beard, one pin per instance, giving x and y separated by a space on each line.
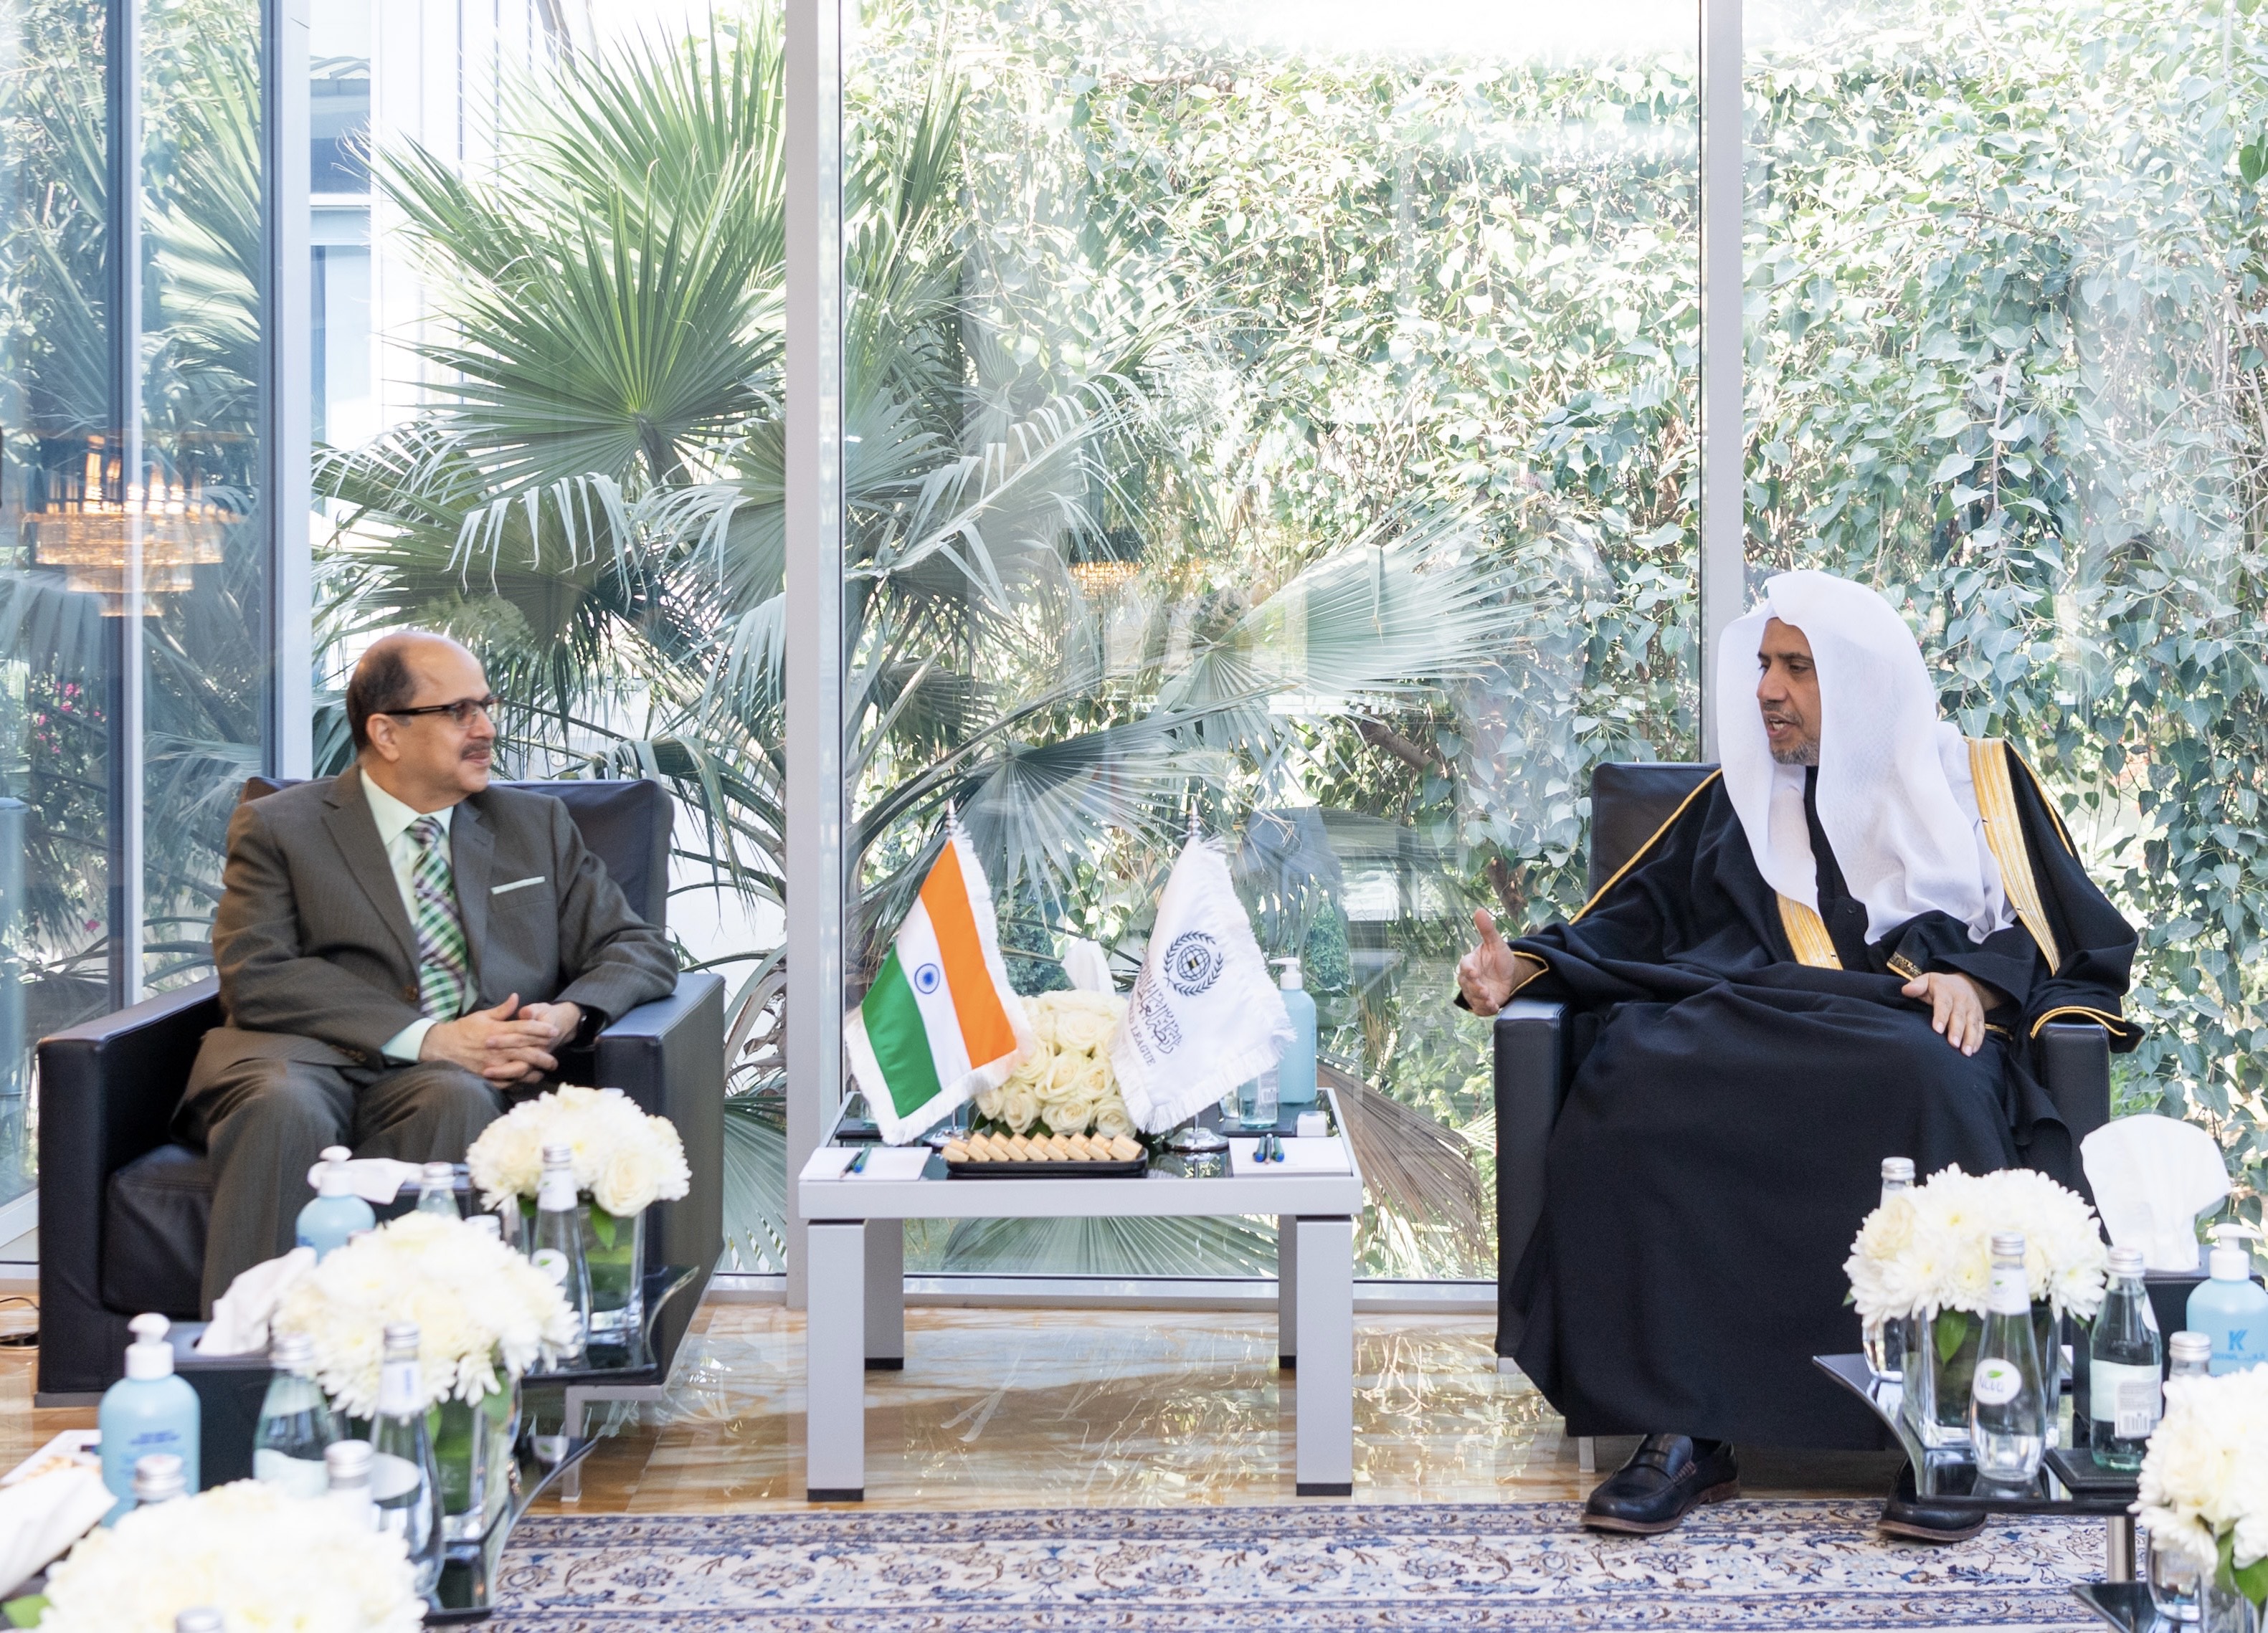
1803 754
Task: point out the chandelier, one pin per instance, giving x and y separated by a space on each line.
163 529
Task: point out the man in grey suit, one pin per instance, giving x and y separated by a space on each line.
397 945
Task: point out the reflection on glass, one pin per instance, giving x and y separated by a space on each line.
2006 358
1287 409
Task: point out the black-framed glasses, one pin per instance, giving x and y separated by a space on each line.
460 712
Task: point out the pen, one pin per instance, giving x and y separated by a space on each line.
859 1161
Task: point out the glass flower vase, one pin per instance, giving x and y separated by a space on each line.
1940 1365
2222 1608
473 1449
614 1246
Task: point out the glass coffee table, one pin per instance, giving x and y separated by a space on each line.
623 1371
2069 1482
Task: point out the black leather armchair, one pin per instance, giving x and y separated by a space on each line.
122 1209
1628 802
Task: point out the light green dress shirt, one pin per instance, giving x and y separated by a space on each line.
393 821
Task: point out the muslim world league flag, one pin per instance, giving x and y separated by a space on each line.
1205 1014
940 1023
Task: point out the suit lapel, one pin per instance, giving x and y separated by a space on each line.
355 832
471 845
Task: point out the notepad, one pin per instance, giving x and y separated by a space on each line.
1300 1156
893 1162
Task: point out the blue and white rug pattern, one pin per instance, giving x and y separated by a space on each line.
1475 1569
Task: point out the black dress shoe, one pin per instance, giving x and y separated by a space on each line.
1918 1519
1666 1477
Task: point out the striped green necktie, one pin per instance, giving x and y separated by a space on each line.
445 963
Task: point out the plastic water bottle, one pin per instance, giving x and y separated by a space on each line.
1885 1342
405 1482
297 1426
2177 1585
2124 1364
437 1190
558 1248
2007 1404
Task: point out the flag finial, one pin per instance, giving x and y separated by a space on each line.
1195 828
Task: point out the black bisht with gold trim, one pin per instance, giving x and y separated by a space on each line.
1740 1067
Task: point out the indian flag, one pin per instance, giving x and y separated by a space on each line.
940 1023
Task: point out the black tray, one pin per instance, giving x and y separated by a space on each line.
2076 1468
1091 1169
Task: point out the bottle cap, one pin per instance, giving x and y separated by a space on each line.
443 1173
158 1478
1898 1168
2196 1348
149 1355
614 1091
401 1335
347 1463
291 1352
558 1156
202 1620
2008 1244
1291 979
2126 1262
332 1179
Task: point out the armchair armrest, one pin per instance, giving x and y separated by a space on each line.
108 1090
1528 1045
668 1055
2075 1059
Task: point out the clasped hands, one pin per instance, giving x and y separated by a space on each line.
1490 974
511 1043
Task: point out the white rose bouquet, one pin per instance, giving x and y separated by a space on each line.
624 1160
1930 1249
484 1315
2205 1478
260 1557
1065 1085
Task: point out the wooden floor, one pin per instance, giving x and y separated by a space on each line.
1026 1408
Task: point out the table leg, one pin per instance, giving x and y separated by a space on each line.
886 1295
2118 1548
1287 1291
835 1373
1324 1420
577 1407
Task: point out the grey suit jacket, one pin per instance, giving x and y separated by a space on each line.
312 940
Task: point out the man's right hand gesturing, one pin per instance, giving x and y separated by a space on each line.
491 1042
1489 973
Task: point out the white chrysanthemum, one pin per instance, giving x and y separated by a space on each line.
481 1310
609 1134
2206 1470
263 1559
1930 1248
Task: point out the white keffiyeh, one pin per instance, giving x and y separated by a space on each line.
1894 795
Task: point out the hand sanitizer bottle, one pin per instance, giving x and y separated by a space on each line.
2231 1309
1295 1072
146 1413
337 1213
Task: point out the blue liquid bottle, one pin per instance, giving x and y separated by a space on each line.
147 1412
337 1213
1295 1072
2232 1308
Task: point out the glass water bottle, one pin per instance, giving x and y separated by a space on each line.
2007 1401
202 1620
2123 1362
437 1190
405 1482
1885 1341
2177 1584
160 1477
557 1250
297 1425
346 1468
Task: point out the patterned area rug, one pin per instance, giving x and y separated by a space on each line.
1383 1570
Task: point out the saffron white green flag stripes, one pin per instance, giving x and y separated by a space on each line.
940 1023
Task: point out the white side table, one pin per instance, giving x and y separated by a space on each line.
856 1281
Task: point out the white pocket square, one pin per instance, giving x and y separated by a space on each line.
518 884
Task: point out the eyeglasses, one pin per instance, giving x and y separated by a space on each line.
460 712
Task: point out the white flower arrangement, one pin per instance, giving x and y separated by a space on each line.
2205 1478
261 1558
624 1160
484 1313
1064 1082
1930 1248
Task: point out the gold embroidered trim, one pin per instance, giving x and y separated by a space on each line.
1900 965
1638 855
1807 934
1540 966
2040 788
2004 832
2108 1022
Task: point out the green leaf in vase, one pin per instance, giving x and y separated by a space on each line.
1952 1330
497 1404
603 1225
